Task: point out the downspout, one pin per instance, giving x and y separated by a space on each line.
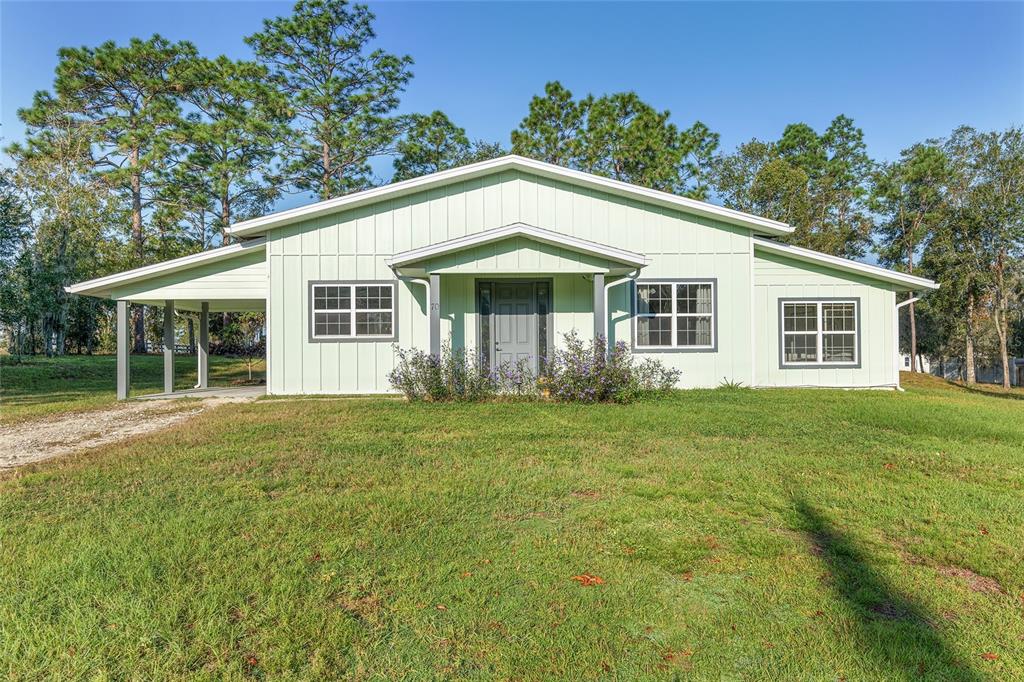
896 335
628 278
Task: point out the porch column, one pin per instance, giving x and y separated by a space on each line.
435 314
168 346
599 311
203 350
123 349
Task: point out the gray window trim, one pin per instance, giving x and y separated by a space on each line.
480 282
819 365
713 348
353 339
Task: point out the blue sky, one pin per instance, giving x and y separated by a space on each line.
903 72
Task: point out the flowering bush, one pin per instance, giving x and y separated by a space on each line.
452 376
578 372
589 373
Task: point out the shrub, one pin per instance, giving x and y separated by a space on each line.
452 376
587 372
578 372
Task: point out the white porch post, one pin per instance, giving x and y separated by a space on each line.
203 350
599 311
123 350
168 346
435 314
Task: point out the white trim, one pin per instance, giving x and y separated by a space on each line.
510 162
101 285
820 332
674 314
873 271
517 230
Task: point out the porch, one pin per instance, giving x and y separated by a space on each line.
507 292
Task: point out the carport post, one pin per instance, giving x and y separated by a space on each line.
123 350
168 346
203 352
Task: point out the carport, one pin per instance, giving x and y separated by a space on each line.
228 279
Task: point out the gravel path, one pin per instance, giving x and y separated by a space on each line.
61 434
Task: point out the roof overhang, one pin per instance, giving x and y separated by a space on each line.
538 234
102 286
903 280
757 224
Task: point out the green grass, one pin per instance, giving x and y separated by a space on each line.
39 386
739 534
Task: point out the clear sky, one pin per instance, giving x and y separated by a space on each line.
903 72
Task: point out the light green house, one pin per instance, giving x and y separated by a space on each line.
504 257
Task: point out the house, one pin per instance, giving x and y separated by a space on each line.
923 362
505 256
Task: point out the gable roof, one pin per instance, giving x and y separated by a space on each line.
907 282
518 230
101 286
511 162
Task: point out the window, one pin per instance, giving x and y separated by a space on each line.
817 332
675 315
352 310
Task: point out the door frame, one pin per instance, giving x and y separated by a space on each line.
480 284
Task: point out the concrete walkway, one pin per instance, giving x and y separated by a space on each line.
227 392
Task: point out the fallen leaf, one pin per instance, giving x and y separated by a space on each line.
983 530
888 466
989 656
587 580
442 607
688 576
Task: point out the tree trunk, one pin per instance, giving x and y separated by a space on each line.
325 189
1000 315
971 376
913 318
225 218
139 244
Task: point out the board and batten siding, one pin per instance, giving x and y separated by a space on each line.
353 245
242 277
777 277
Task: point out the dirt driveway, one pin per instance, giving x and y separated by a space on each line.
61 434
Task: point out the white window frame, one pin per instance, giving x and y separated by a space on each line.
675 315
819 333
352 310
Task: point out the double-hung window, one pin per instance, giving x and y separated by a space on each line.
352 310
675 315
820 332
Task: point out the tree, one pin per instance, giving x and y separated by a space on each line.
999 203
15 236
618 136
553 128
819 184
70 212
908 197
128 97
226 145
340 93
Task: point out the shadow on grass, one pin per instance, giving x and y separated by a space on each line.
1012 394
891 628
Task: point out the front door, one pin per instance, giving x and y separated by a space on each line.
515 322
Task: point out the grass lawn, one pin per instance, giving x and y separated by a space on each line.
38 386
777 534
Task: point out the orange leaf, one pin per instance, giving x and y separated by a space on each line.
989 656
587 580
442 607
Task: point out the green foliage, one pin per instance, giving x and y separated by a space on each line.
341 93
819 184
433 143
226 147
618 136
